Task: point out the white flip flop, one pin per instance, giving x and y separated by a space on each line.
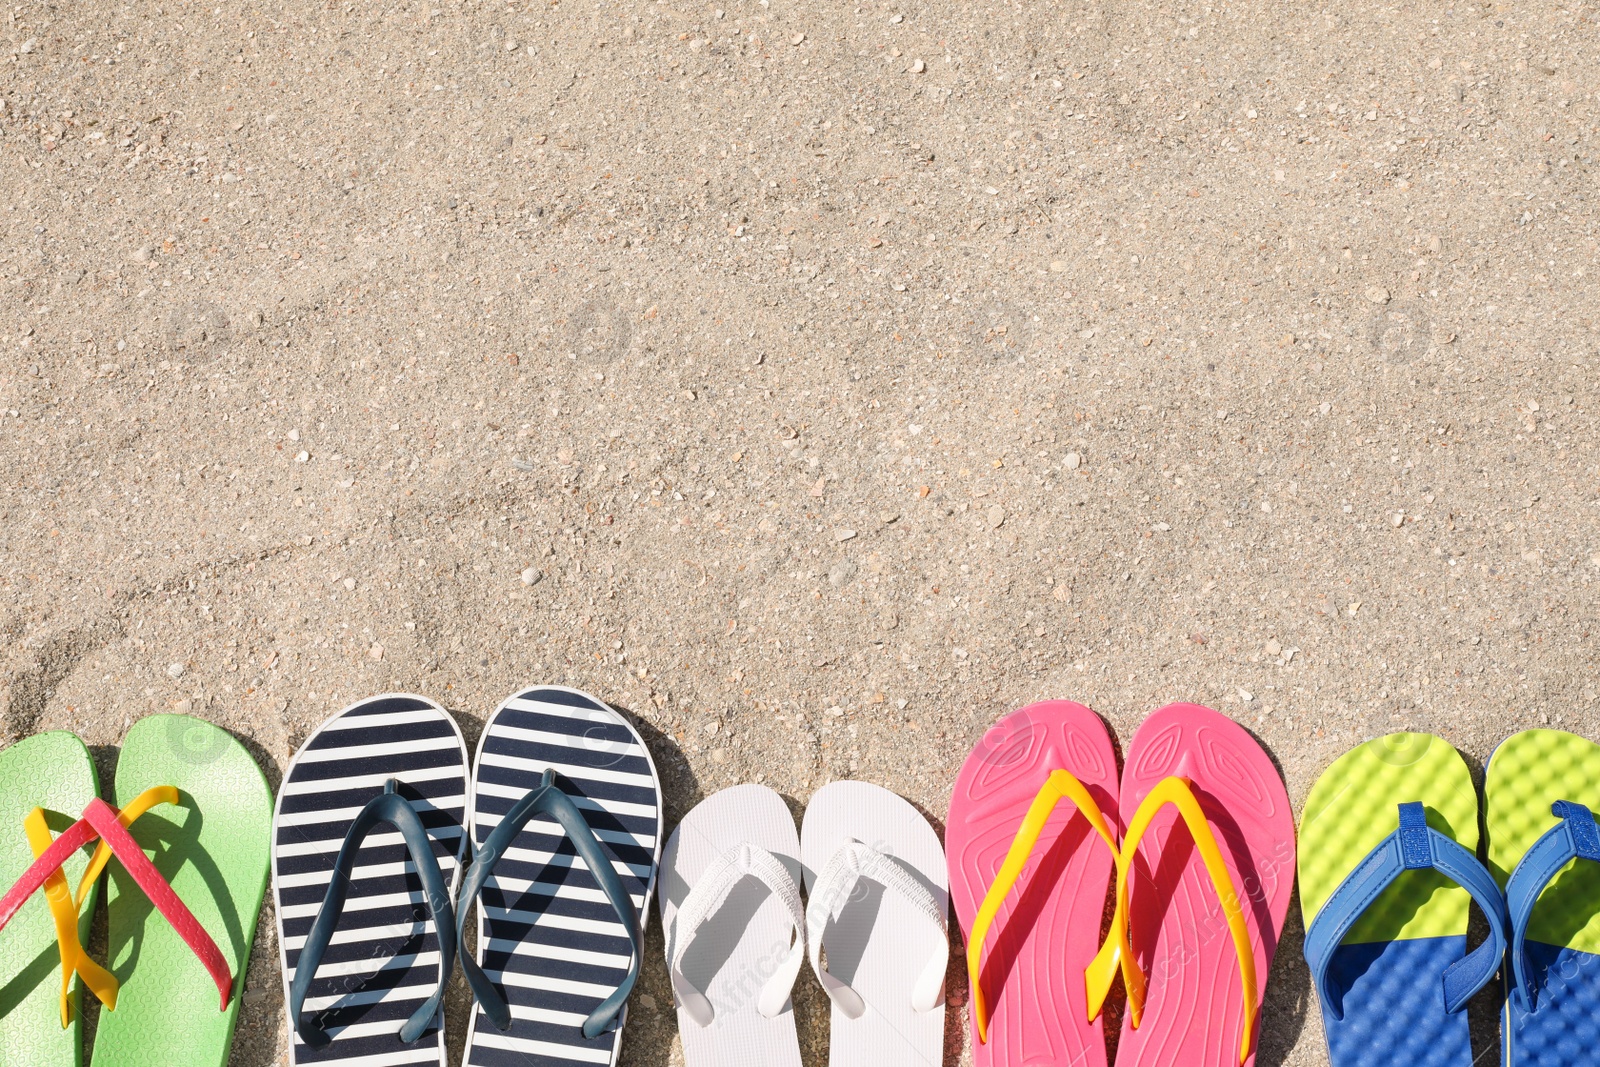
735 929
880 895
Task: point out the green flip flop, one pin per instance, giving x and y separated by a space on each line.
52 771
1388 872
213 849
1540 793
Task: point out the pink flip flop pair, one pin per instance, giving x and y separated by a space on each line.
1193 852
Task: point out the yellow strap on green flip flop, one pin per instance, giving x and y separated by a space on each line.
1061 785
1179 793
64 911
161 794
64 906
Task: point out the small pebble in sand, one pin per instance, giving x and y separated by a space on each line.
350 584
1073 461
918 66
843 535
376 651
1378 294
1274 648
997 517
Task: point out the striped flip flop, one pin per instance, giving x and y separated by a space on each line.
566 829
367 846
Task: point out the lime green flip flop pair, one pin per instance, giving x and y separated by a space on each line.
191 842
1389 870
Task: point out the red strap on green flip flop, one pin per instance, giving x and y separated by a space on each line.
100 820
76 836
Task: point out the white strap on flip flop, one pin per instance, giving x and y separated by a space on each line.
831 894
710 892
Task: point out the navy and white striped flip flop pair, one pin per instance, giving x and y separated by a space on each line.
373 875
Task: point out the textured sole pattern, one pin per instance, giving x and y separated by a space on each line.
1194 1009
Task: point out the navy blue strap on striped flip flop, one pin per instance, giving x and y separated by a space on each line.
548 799
367 843
390 807
566 824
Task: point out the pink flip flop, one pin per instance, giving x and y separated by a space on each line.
1196 895
1031 840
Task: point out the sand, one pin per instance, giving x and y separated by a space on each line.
816 382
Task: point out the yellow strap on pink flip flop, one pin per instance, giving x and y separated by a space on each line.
64 907
1061 785
1179 793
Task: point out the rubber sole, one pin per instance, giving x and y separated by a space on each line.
384 957
547 936
875 944
1194 1011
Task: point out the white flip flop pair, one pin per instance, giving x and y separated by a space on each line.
737 932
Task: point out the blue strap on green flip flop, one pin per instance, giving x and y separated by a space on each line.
548 799
1414 846
1388 876
1575 837
387 807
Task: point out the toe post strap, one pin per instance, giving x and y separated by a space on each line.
393 808
548 798
1575 836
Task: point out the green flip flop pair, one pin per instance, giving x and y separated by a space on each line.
192 844
1389 870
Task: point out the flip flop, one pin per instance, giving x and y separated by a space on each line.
1029 878
39 1019
1539 795
1205 902
566 824
367 846
1387 872
212 848
735 929
879 901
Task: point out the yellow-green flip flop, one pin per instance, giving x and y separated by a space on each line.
1388 870
1539 794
